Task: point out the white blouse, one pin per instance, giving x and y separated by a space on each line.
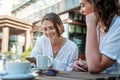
65 57
110 45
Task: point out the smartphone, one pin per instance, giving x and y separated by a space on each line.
31 59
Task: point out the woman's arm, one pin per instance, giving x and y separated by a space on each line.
72 58
37 50
95 60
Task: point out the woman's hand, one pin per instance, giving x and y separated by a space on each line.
91 20
80 65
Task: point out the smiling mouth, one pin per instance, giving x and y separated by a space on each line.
50 36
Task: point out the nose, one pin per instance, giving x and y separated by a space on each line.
82 10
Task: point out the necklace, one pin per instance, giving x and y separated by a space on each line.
56 47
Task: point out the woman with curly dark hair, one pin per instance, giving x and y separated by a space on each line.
103 37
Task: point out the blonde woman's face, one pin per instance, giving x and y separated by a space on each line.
85 7
49 29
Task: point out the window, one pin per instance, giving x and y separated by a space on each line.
77 34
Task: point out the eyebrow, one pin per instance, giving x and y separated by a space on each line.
80 2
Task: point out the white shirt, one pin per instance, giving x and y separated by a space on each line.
110 45
65 57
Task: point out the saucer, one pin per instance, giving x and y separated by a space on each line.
3 72
18 77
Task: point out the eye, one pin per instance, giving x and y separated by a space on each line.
45 29
82 5
51 27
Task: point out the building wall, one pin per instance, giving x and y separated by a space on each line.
35 12
27 12
38 9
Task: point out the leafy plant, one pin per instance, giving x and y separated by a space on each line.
27 53
9 52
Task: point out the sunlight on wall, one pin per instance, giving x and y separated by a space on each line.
6 7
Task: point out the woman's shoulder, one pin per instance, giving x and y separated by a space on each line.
71 43
115 23
42 38
117 19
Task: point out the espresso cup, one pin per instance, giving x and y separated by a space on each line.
43 62
18 67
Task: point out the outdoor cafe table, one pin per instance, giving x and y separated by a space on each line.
78 76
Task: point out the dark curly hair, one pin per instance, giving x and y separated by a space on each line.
55 19
105 11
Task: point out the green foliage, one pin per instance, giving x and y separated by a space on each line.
9 52
26 53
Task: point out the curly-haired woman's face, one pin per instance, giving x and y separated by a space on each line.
85 7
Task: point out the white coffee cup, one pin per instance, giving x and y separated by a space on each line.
44 62
18 67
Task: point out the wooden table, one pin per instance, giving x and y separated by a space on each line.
78 76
